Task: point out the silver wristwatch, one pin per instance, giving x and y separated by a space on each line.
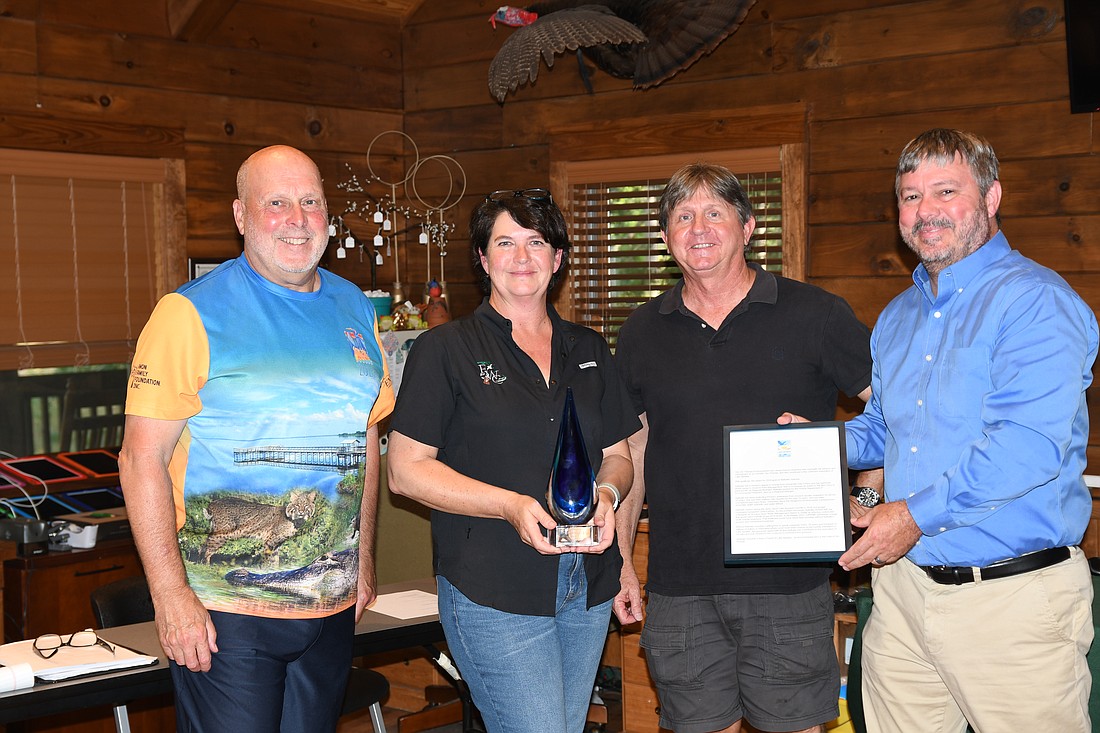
866 496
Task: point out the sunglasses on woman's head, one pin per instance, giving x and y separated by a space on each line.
535 194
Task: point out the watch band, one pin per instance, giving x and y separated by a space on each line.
866 496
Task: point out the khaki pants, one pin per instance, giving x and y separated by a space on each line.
1006 655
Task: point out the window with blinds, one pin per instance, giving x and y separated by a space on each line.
618 260
79 239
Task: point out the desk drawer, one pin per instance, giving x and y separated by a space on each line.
50 594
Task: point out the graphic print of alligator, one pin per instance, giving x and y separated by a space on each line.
233 518
332 575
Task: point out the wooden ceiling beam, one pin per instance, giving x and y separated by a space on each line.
354 9
195 20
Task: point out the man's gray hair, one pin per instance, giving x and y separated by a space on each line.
940 145
715 179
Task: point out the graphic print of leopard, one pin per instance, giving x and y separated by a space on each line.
233 518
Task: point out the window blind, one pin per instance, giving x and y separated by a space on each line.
78 247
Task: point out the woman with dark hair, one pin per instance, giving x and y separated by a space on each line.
473 437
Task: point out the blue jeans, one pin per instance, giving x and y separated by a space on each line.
269 676
529 674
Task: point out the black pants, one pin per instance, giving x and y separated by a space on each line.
268 676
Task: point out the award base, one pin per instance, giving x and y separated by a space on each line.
574 535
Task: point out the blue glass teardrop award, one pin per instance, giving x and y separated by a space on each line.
572 497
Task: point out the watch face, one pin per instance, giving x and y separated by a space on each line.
866 496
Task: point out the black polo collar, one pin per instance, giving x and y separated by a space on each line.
765 289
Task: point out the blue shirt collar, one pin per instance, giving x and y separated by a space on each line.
960 274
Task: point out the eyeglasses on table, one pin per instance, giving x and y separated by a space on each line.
47 645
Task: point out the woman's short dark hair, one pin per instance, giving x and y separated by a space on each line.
540 214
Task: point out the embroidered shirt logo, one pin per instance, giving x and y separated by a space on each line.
489 374
587 365
359 349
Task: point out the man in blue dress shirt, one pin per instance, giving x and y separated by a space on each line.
982 608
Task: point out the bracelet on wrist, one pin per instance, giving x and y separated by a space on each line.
616 497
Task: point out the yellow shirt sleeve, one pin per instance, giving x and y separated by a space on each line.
171 363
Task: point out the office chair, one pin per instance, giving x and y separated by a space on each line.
119 603
122 602
366 689
127 601
93 411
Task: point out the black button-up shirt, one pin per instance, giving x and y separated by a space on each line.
471 392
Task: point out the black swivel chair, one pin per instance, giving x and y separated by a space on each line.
122 602
127 601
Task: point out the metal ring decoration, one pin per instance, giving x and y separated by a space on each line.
450 187
411 169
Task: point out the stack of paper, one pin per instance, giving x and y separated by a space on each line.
72 661
406 604
17 677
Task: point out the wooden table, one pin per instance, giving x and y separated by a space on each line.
374 633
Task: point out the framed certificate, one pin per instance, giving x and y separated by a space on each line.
199 266
786 497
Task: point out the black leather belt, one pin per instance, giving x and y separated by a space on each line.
948 575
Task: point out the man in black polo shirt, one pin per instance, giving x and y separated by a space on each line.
729 345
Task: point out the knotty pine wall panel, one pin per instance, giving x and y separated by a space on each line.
875 34
142 18
869 250
212 118
253 26
877 144
17 46
89 136
434 130
863 250
67 52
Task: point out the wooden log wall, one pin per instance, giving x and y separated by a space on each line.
869 74
145 78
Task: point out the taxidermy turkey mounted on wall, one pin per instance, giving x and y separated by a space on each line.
647 41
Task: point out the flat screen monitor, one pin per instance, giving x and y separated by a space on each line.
94 499
1083 51
48 507
95 462
44 468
